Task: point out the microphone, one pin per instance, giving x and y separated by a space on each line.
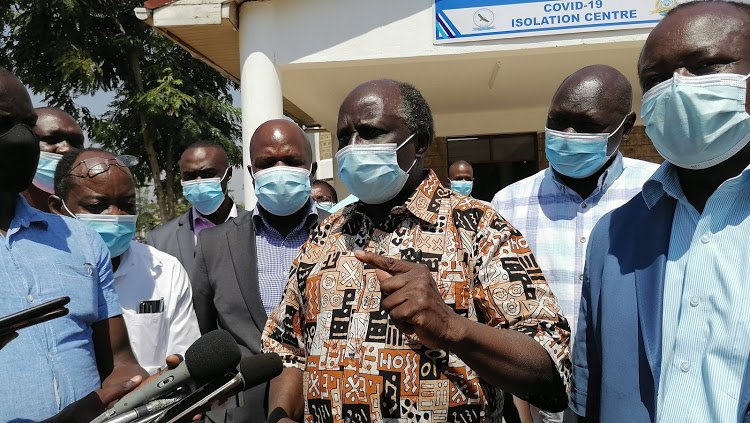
213 354
254 370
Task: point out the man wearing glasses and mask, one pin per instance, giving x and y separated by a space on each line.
43 257
97 188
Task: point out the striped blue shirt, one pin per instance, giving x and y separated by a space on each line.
557 222
276 253
706 306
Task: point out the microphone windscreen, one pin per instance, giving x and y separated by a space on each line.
257 369
211 355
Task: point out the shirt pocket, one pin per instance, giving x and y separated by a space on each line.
79 282
149 336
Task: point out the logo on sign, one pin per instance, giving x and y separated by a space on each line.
664 6
483 19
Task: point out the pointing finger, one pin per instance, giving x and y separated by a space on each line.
387 264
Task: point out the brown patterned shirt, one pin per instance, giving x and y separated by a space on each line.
357 366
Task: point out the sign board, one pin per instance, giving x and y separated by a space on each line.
473 20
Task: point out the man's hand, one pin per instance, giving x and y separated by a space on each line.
411 298
112 393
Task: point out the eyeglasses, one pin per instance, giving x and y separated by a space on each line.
98 165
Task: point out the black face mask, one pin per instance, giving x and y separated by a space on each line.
19 154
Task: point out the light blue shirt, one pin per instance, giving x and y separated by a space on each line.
706 306
557 222
276 253
52 364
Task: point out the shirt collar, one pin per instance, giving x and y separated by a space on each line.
424 202
196 216
25 215
311 217
666 182
606 179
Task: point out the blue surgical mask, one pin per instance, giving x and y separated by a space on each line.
282 190
325 205
116 230
462 187
697 122
577 155
371 171
206 194
44 178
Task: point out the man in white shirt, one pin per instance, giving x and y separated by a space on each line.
590 115
98 189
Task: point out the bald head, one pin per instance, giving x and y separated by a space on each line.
598 87
58 132
19 149
280 142
461 171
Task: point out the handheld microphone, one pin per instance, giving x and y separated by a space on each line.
213 354
254 370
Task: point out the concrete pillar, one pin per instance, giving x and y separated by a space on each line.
260 83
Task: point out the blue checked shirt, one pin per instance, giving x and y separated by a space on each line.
275 253
706 305
556 221
52 364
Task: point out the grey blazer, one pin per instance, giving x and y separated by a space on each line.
226 295
176 238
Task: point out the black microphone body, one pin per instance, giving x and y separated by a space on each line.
213 354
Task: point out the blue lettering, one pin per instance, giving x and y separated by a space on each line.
563 6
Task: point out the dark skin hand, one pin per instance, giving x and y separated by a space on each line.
280 142
700 40
507 359
591 101
5 340
58 133
209 162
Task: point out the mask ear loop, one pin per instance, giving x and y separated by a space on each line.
401 145
65 206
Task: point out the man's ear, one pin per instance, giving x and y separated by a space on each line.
313 170
250 171
423 143
229 173
627 126
55 205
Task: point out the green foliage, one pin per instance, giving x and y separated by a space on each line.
164 99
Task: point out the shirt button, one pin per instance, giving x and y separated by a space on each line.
583 240
685 366
580 277
30 298
583 206
695 301
705 239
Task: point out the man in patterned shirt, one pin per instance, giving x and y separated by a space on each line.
555 209
415 303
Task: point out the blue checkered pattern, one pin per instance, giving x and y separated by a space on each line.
275 254
557 222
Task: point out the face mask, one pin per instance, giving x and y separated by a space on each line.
577 155
115 230
44 179
697 122
462 187
325 205
206 195
282 190
371 171
19 152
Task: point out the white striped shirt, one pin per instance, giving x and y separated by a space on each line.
557 222
706 305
